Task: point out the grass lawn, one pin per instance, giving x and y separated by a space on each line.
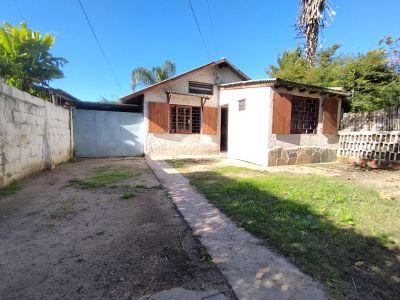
342 234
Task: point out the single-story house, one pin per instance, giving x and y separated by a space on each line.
216 108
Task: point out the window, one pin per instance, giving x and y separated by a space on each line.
242 104
200 88
304 115
185 119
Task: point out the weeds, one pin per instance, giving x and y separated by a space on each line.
101 178
128 195
203 254
10 189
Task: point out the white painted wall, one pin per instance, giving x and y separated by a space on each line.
175 144
248 129
34 134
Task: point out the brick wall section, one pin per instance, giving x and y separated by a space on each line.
34 134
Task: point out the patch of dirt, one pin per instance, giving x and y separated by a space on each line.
59 240
385 182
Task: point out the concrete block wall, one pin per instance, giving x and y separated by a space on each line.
34 134
380 147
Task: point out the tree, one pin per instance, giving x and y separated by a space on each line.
311 19
111 100
371 78
393 50
25 60
372 81
148 77
292 65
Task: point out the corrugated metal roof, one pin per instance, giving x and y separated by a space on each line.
108 106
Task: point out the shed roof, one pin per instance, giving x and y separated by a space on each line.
281 83
108 106
221 62
64 94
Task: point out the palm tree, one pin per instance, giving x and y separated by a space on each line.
148 77
311 19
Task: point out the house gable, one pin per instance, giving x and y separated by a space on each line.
221 71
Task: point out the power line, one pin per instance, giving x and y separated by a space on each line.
198 28
212 28
101 48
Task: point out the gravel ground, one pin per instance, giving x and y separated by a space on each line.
60 240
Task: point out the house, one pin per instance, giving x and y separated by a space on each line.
216 107
62 98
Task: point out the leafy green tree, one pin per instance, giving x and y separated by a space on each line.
146 77
292 65
25 60
372 81
371 78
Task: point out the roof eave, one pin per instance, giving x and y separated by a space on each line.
307 87
281 83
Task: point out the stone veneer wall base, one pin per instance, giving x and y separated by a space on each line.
278 156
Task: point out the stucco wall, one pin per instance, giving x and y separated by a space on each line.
250 135
175 144
182 144
248 129
35 134
210 74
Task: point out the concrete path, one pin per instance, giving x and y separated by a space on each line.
253 270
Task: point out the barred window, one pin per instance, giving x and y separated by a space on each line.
185 119
304 115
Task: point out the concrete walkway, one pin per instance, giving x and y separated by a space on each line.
253 270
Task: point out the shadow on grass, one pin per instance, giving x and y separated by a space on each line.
348 262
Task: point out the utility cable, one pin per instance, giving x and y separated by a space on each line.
101 48
198 28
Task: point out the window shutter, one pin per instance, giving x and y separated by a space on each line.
209 120
158 117
281 113
330 110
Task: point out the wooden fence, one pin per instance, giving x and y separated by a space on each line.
378 120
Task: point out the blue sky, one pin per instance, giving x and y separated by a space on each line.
144 33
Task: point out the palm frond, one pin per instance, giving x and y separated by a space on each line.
146 77
169 68
142 76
